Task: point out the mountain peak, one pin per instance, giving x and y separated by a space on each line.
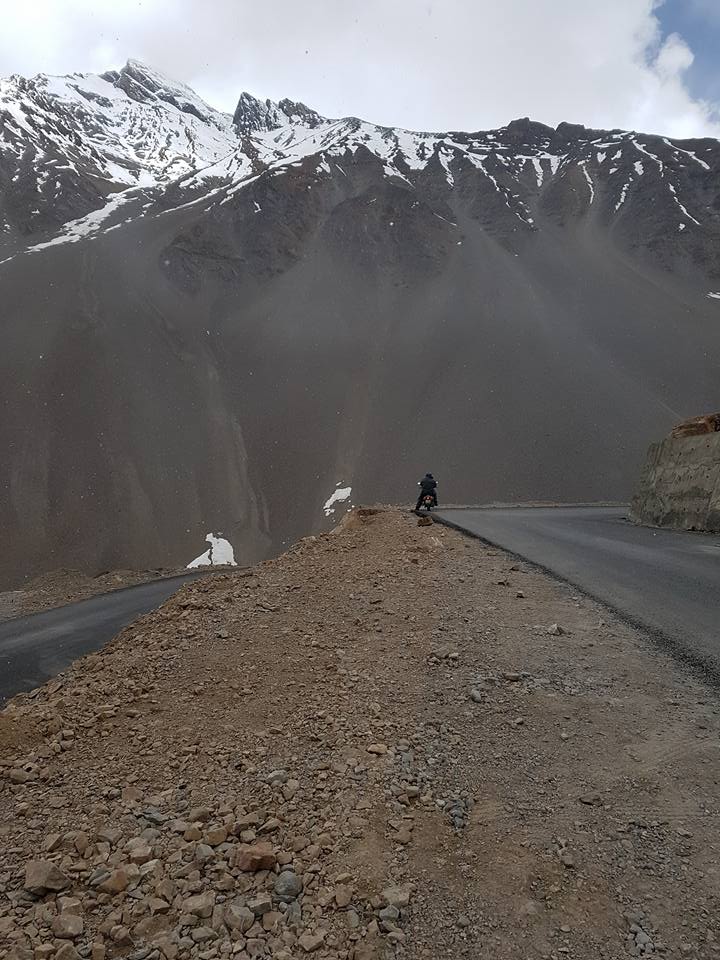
253 115
298 112
144 84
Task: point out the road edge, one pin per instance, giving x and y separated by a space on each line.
699 666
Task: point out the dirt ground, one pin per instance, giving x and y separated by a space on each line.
59 587
391 741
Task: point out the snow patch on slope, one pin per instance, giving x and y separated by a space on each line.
339 495
220 552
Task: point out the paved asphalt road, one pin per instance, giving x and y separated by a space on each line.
663 580
35 648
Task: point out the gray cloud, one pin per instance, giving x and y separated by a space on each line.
424 64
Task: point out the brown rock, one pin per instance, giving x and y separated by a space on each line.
343 895
200 905
310 942
110 835
98 950
67 926
567 859
237 916
254 857
271 919
42 876
177 826
116 882
215 836
19 776
120 935
165 890
52 842
403 836
270 826
70 905
397 896
246 821
157 905
67 952
290 789
167 947
81 842
139 851
261 904
203 934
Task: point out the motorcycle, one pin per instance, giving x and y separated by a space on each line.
428 502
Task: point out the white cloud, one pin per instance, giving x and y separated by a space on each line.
427 64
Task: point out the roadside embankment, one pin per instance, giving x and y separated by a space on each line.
680 483
392 741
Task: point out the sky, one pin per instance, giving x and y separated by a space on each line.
647 65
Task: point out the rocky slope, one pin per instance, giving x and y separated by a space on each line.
391 742
211 322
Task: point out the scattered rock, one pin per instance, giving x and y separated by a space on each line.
288 886
260 904
310 942
200 905
253 857
397 896
116 882
42 876
67 926
237 916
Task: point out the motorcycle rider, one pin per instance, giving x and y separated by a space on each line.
428 485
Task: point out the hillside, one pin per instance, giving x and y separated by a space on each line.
390 742
211 323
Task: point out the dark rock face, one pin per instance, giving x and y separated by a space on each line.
209 322
252 115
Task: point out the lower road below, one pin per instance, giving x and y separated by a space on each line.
663 580
35 648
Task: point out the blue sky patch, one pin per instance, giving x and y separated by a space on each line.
698 23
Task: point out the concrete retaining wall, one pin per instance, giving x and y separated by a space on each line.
680 484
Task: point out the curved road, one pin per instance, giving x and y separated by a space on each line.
663 580
35 648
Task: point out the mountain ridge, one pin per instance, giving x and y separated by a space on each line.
246 135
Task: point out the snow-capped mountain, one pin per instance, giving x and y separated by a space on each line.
204 310
88 144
